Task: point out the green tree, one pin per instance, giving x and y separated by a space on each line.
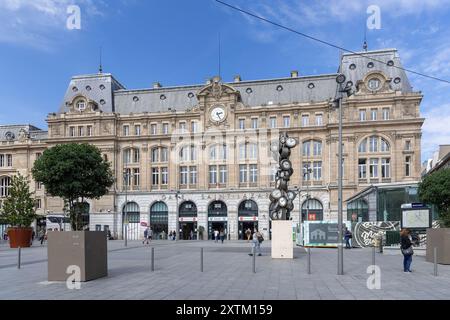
19 207
74 172
435 189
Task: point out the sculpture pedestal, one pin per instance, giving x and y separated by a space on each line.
282 243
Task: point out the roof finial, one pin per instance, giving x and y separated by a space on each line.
365 46
100 68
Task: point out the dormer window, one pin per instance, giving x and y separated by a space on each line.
374 84
81 105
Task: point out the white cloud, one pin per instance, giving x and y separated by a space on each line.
40 23
436 130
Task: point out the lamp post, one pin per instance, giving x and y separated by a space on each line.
126 178
340 79
177 223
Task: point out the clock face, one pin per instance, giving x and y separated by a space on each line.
218 114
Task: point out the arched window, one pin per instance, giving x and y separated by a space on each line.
132 211
218 152
248 151
312 148
188 209
213 152
5 184
81 105
374 144
159 220
188 153
312 210
164 155
131 155
374 167
248 208
155 155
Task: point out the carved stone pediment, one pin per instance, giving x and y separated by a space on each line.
81 105
216 90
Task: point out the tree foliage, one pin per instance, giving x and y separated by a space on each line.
18 209
74 172
435 189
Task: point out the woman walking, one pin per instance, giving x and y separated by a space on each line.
407 249
222 235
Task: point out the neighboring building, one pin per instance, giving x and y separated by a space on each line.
440 160
204 150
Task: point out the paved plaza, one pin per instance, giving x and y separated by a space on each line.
227 274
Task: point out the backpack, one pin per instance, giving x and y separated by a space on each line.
260 238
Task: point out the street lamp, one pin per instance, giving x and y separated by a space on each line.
340 79
177 223
126 178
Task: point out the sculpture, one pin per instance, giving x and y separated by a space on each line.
282 200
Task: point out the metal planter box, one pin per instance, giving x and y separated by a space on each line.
440 239
85 249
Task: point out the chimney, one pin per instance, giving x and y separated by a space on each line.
237 78
294 74
157 85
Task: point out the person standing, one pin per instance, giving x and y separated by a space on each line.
42 236
150 234
248 233
191 235
216 235
145 236
222 235
256 243
170 235
407 249
347 237
174 235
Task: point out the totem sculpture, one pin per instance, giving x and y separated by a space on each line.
282 200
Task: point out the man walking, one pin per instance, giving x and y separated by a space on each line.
145 236
256 243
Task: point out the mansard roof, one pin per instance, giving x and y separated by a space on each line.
14 132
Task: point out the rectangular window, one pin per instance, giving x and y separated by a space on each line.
408 166
2 160
386 168
38 203
242 124
373 144
253 173
212 174
155 176
362 115
72 131
153 129
273 122
306 171
223 152
9 160
126 130
164 176
306 148
373 168
242 152
81 131
317 170
194 127
137 130
305 120
136 156
254 123
164 155
90 132
317 148
127 177
184 175
182 127
193 175
127 156
253 151
362 168
136 178
223 176
319 120
165 128
287 121
243 173
408 145
373 114
386 114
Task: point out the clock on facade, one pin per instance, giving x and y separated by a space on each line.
218 114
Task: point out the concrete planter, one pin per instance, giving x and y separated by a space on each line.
86 249
440 239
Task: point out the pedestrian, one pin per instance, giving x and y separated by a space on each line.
192 235
248 233
347 236
145 236
216 235
222 235
42 236
170 235
174 235
256 243
150 234
407 249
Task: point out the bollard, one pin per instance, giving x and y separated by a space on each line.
309 260
19 257
153 259
373 258
435 263
201 260
254 259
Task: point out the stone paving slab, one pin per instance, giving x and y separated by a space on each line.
227 275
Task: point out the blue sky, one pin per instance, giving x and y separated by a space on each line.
175 42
